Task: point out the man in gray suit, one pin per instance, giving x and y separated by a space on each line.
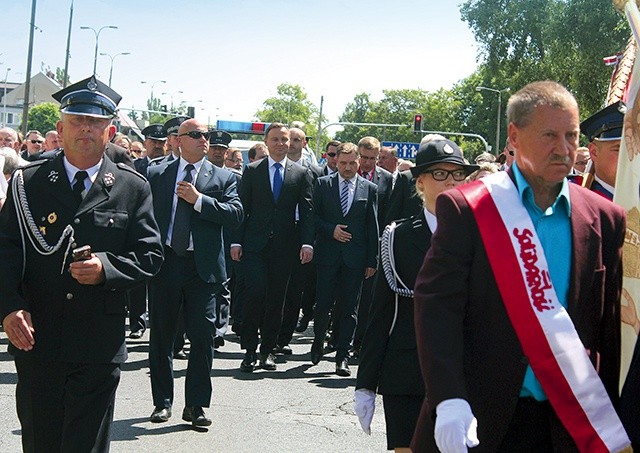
346 250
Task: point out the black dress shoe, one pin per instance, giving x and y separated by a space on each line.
342 368
195 415
181 355
316 352
329 348
136 334
284 350
249 362
218 342
268 362
303 323
160 414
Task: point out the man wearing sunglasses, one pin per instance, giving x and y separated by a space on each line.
35 146
192 200
331 153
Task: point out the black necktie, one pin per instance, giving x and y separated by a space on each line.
182 221
78 189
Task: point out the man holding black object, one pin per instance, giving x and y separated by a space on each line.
65 318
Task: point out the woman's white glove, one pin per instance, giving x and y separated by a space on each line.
365 406
456 427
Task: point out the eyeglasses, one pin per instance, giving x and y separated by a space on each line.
196 135
442 175
582 162
332 154
37 141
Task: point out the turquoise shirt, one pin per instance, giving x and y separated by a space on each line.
553 227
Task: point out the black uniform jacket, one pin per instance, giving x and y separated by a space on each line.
74 322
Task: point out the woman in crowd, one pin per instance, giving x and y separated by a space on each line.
388 359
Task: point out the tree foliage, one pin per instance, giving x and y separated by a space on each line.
43 117
563 40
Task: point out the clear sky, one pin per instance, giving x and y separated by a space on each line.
232 54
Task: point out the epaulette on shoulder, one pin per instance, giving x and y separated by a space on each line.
35 163
156 160
125 167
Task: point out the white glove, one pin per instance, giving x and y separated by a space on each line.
365 406
456 427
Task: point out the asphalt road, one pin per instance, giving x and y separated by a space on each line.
297 408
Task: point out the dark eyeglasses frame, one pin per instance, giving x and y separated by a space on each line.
332 154
37 141
196 135
461 174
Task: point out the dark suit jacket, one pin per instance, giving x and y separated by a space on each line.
74 322
141 164
118 155
384 180
362 250
388 364
220 207
404 201
467 346
266 219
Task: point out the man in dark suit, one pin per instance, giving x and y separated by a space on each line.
329 166
269 241
64 311
346 251
477 357
192 201
369 149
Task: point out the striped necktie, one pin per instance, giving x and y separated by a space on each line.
344 196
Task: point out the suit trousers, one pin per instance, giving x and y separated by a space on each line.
178 285
301 290
267 275
364 308
342 285
138 308
65 407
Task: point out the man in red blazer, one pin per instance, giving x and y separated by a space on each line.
478 369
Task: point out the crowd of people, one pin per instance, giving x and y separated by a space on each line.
480 297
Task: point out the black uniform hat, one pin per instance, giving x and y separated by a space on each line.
440 151
155 131
606 124
89 97
219 138
173 124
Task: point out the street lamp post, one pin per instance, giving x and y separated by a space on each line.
153 85
171 96
113 58
97 33
499 92
4 99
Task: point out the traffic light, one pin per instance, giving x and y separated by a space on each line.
191 112
163 108
417 123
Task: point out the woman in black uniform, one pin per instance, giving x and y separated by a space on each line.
388 360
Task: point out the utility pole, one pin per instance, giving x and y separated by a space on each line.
68 54
27 83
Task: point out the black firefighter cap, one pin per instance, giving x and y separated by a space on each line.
173 124
606 124
219 138
89 97
155 132
440 151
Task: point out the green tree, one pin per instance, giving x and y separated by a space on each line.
43 117
563 40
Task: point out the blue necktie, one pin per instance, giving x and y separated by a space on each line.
344 197
277 181
182 221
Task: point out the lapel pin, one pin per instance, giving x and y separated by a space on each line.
51 218
53 176
43 230
109 179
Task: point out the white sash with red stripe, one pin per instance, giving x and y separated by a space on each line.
547 334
